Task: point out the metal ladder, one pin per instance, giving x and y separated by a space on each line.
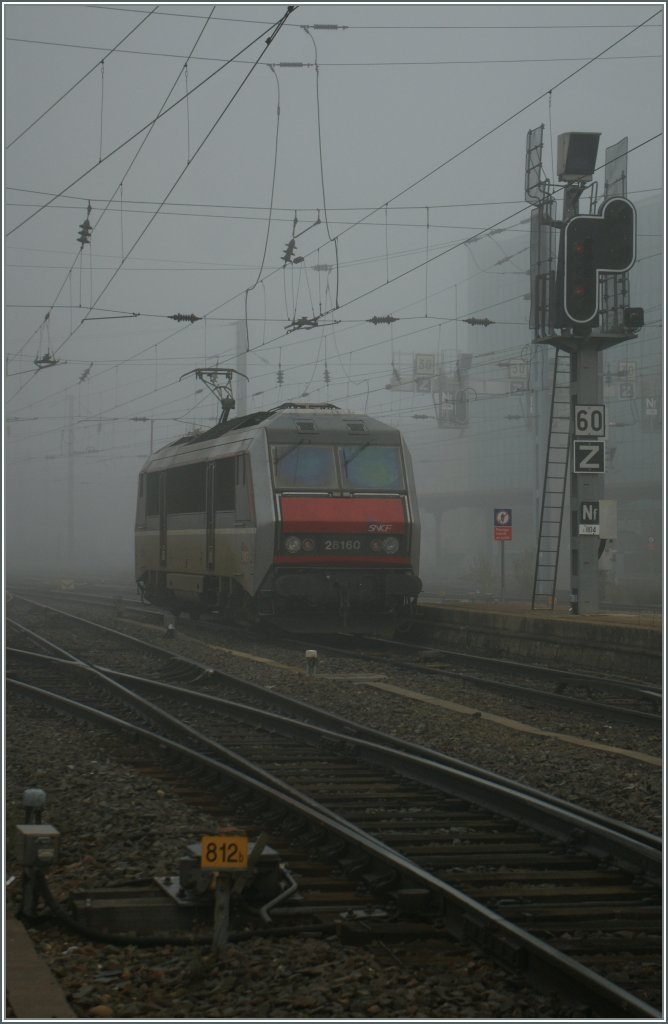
554 485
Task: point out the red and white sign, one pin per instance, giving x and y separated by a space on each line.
503 524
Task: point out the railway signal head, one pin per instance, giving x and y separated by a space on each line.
581 277
594 245
618 241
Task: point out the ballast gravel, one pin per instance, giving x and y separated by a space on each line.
118 824
618 786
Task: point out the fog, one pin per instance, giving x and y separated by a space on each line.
382 139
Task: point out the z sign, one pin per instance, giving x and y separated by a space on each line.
588 456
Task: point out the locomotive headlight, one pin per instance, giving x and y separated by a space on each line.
376 545
308 544
293 545
390 545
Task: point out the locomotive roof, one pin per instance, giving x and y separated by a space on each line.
288 417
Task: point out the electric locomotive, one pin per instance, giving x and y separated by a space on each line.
305 515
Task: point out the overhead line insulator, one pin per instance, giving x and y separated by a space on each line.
289 251
84 232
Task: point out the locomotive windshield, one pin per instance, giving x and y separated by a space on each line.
362 467
306 467
371 468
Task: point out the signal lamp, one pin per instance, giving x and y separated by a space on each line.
634 318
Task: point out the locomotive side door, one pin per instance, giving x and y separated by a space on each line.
162 505
242 502
210 516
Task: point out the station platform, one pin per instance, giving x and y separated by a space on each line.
609 616
625 644
32 991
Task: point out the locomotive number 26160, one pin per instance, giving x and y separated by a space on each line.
343 545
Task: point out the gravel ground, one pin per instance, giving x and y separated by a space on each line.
620 787
118 824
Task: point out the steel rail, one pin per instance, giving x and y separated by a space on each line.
465 917
577 821
639 848
564 675
560 677
153 712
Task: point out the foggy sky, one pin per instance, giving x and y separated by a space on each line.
406 140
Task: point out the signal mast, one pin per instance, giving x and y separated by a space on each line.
581 307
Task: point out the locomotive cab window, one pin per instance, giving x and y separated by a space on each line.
367 467
305 467
152 494
186 489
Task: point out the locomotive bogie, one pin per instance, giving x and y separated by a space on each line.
303 514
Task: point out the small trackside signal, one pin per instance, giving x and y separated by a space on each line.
634 318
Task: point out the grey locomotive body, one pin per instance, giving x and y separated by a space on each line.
305 514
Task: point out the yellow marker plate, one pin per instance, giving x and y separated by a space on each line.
224 853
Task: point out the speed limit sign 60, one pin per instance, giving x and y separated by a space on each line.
590 421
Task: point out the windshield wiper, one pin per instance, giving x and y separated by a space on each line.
292 447
346 462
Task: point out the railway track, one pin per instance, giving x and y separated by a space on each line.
611 698
618 699
543 886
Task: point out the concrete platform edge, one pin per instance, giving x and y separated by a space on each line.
32 991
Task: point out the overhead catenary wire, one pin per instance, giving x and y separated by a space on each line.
467 148
197 151
418 63
120 186
90 71
357 349
149 124
351 28
126 255
321 162
271 199
283 209
351 300
450 249
280 337
374 344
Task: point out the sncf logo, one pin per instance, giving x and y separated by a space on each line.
380 527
